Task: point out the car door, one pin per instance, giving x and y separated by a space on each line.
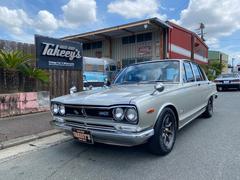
206 86
190 104
202 86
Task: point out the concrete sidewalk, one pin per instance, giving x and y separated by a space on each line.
25 125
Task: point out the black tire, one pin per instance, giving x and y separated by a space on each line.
165 131
209 109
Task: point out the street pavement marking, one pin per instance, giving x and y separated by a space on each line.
16 151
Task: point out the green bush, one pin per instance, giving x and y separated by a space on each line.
16 63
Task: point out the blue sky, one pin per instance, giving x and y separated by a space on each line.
21 19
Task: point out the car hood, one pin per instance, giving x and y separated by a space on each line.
122 94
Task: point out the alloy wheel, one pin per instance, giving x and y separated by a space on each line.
168 130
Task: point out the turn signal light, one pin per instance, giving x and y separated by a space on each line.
151 110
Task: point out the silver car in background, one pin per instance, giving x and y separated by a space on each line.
228 81
147 103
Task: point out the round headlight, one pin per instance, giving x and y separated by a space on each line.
131 115
62 109
55 108
118 114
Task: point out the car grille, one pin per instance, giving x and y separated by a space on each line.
90 126
88 111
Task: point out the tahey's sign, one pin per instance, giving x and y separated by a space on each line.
58 54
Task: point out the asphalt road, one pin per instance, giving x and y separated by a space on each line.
205 149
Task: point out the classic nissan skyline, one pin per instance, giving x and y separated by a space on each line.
147 103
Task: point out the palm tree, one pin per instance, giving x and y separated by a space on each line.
14 62
32 74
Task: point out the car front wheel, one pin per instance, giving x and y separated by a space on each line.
164 136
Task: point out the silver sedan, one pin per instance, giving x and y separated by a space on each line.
147 103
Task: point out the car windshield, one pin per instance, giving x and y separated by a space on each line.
161 71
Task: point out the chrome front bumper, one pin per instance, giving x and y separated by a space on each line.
118 137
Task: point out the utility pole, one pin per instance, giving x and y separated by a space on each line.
200 31
232 63
202 27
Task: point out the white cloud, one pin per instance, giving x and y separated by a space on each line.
212 42
135 8
45 22
221 17
14 20
77 12
19 25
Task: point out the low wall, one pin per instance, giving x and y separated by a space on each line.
23 103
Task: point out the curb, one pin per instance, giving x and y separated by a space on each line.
25 139
23 115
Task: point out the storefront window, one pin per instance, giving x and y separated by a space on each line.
128 39
129 61
144 37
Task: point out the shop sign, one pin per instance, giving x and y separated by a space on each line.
144 50
54 53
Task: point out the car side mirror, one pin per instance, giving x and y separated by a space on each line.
72 90
158 87
90 87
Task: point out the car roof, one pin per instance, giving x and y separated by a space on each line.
161 60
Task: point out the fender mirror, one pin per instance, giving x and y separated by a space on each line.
72 90
158 87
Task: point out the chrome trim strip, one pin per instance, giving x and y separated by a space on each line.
98 107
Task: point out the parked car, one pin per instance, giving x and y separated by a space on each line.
227 81
148 102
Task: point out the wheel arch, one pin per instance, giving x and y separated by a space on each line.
173 108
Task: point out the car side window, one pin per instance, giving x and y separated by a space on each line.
197 72
188 72
202 73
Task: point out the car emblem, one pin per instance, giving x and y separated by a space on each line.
84 112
